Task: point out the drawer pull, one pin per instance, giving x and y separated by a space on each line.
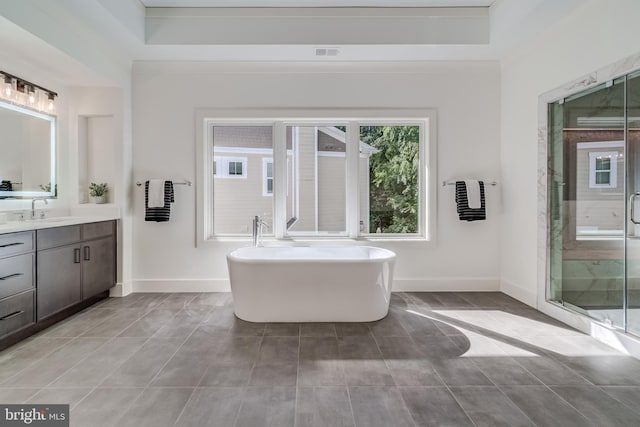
11 275
76 256
11 244
12 315
87 253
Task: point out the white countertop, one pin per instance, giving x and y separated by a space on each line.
55 221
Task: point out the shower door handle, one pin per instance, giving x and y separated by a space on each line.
632 202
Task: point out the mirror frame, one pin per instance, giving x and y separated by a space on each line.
52 138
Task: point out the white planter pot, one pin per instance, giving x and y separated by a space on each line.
99 199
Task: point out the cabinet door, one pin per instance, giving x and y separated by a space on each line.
98 266
58 283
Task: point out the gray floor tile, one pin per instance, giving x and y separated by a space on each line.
188 365
448 300
17 395
319 362
92 370
544 407
242 327
317 330
149 324
279 350
238 349
361 372
101 406
227 374
67 395
177 301
217 406
214 299
323 406
80 323
26 353
461 371
282 330
379 407
434 406
352 329
435 347
413 373
266 375
358 347
607 370
57 363
550 371
503 370
156 407
487 406
416 325
399 348
184 322
115 324
267 407
630 396
143 365
597 406
390 326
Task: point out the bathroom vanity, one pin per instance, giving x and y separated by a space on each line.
52 269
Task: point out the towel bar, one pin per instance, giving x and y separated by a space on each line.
185 182
492 183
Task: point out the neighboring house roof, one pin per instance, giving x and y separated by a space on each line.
330 139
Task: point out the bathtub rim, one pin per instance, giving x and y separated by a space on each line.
391 256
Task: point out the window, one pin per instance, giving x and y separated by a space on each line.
313 178
237 188
230 167
603 169
267 177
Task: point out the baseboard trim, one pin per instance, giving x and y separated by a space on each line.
515 291
182 285
121 289
456 284
399 285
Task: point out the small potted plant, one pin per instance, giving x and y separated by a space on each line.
99 192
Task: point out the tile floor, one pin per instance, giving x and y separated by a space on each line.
438 359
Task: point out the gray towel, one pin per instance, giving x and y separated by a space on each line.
162 214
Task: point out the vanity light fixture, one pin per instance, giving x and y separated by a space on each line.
21 92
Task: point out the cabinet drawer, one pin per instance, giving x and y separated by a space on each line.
58 236
16 312
94 230
15 243
16 274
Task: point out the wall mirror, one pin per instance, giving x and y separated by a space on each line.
27 153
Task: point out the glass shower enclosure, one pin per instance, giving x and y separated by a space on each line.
594 202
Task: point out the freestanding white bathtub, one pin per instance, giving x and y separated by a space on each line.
311 283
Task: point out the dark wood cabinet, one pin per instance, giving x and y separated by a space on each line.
17 280
70 273
59 279
98 266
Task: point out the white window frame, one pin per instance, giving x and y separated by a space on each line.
265 177
222 167
613 169
277 118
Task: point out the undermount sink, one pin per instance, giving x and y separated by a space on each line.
57 219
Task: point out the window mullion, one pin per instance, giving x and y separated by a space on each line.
279 180
352 195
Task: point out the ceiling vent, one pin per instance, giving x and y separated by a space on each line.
327 51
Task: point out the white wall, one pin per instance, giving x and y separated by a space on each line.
594 35
465 94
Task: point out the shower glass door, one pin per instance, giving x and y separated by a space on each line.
588 203
633 191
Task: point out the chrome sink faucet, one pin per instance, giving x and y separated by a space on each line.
33 205
258 223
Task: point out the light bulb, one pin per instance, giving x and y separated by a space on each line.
31 95
50 105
